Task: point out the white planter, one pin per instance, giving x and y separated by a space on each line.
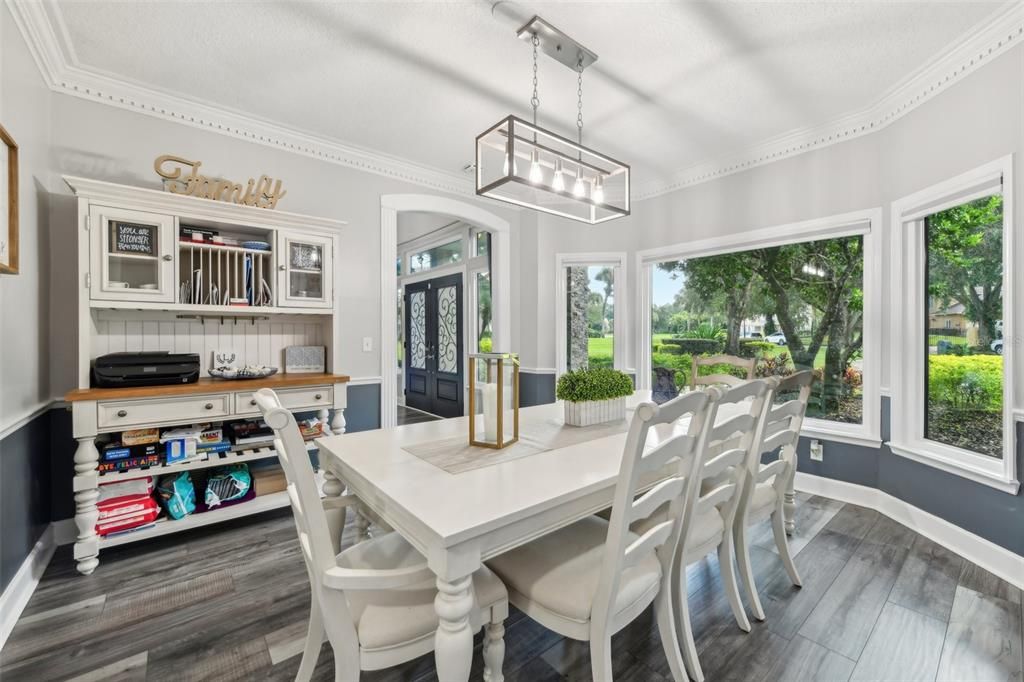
595 411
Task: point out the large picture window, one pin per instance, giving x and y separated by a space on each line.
792 307
952 344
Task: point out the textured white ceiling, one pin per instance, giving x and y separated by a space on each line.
676 83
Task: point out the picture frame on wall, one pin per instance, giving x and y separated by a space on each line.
8 205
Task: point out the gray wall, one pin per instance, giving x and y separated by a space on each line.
25 495
984 511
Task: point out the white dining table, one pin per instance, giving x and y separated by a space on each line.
458 521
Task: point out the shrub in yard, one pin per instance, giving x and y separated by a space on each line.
774 366
697 346
973 381
669 349
752 348
852 377
596 383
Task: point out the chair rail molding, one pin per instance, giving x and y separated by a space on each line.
42 27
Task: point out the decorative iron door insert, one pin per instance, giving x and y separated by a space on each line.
434 374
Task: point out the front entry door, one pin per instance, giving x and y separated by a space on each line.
433 346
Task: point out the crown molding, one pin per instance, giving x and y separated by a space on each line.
41 26
67 77
986 41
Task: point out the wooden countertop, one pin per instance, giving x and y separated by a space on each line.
205 385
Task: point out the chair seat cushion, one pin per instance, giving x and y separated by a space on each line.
394 617
705 527
560 571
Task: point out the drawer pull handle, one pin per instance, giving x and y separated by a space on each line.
208 406
317 396
122 413
253 402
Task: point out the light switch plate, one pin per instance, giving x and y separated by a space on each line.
367 344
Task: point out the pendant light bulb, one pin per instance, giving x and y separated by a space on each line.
578 189
504 167
558 181
536 174
598 194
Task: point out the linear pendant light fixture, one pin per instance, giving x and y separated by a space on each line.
521 163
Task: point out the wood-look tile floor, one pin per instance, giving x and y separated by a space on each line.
230 602
408 415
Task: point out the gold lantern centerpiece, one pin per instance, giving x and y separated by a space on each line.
496 375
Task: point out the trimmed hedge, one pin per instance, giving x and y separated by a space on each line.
697 346
973 381
596 383
752 348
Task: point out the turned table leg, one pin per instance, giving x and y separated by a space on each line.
453 641
86 513
333 487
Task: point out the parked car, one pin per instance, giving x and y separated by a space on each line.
778 338
758 336
997 346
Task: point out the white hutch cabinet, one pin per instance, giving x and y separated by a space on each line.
145 285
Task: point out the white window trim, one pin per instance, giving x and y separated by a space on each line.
908 262
616 260
867 222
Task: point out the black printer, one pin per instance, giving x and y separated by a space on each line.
153 368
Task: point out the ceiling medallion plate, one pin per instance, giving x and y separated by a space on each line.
556 44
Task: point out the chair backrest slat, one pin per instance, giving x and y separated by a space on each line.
744 364
782 422
653 538
714 481
638 460
646 504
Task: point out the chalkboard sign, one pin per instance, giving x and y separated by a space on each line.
133 238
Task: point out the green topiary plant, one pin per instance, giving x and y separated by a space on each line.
597 383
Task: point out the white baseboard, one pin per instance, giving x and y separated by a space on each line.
23 584
990 556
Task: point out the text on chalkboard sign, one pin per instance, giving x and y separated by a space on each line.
132 238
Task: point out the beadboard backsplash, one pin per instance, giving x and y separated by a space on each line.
260 342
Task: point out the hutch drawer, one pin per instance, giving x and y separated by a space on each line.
292 399
154 411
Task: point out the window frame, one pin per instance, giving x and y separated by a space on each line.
907 333
868 224
616 260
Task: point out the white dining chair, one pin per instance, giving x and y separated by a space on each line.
590 579
765 485
711 501
375 599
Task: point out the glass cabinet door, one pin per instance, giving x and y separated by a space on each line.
133 255
305 266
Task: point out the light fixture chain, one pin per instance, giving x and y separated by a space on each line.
535 100
579 100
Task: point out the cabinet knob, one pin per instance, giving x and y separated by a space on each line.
253 402
281 268
317 396
208 406
168 257
122 413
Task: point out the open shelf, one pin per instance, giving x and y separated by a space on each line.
233 456
166 526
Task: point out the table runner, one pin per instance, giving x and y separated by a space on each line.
455 455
